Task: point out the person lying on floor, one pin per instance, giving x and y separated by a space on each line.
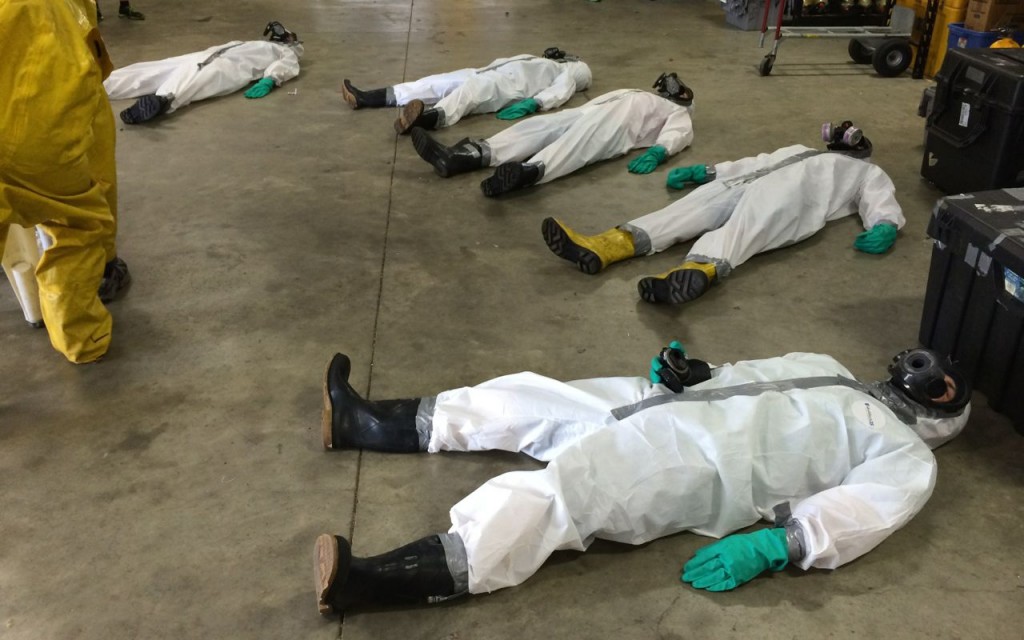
164 86
514 87
743 208
547 147
838 465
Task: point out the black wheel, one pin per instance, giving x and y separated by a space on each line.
859 53
765 67
891 58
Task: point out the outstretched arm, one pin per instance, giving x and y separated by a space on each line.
285 67
832 527
879 212
677 132
563 88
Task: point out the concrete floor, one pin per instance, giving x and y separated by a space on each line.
175 490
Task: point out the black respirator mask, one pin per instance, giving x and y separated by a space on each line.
556 54
671 88
846 139
920 374
278 33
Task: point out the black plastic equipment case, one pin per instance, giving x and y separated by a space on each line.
974 305
975 131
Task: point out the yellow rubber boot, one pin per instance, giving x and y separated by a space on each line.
682 284
590 253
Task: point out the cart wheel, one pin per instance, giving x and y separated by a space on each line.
891 58
765 67
859 53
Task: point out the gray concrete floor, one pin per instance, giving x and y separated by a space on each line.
175 490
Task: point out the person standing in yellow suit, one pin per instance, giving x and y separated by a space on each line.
57 167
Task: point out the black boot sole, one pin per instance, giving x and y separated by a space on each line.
342 366
145 109
507 177
432 151
332 559
407 119
349 96
563 247
679 286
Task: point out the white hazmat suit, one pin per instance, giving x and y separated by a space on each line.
768 201
608 126
485 90
717 458
216 71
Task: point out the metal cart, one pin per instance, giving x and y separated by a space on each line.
886 48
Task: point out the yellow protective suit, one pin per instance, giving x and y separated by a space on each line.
57 166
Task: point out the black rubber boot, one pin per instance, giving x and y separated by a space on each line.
510 176
115 279
416 114
358 99
462 157
350 422
414 574
681 285
145 108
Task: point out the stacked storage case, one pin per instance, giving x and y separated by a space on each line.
975 131
974 305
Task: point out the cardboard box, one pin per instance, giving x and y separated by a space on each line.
987 15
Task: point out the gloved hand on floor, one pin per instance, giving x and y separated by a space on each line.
657 364
260 89
737 559
518 109
679 177
649 161
877 239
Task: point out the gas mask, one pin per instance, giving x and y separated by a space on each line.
915 392
846 139
921 375
556 54
671 88
279 34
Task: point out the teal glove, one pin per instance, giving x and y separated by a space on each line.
260 89
656 363
649 161
518 109
737 559
878 239
678 177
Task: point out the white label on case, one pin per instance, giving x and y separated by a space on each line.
965 114
1014 284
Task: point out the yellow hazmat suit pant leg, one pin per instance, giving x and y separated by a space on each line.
57 166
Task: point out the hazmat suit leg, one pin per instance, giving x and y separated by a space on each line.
600 133
480 93
529 413
57 163
145 78
75 207
597 487
527 137
769 215
431 88
705 208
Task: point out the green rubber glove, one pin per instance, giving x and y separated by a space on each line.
680 176
737 559
260 89
656 363
649 161
878 239
518 109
